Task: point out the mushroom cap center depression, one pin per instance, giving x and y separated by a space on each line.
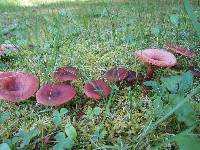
54 93
13 84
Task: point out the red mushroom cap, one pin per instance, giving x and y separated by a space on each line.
55 94
157 57
116 74
66 73
181 50
17 86
3 47
96 89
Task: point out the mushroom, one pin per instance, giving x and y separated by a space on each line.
66 74
116 75
195 72
3 47
181 50
155 58
97 89
17 86
131 78
55 94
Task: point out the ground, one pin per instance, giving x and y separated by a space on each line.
93 36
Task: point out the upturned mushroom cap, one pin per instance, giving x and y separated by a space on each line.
157 57
116 74
55 94
97 89
66 73
17 86
181 50
3 47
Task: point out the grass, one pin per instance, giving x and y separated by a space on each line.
93 36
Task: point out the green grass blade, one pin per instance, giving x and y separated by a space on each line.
192 16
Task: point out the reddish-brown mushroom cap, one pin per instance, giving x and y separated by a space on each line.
17 86
55 94
181 50
116 74
97 89
66 73
157 57
3 47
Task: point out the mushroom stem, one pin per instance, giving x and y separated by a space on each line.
150 72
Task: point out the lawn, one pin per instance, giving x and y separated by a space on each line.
95 36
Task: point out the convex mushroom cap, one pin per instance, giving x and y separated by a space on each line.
66 73
17 86
97 89
181 50
116 74
55 94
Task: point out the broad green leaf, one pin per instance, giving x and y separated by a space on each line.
155 85
171 83
57 120
56 113
188 142
90 113
4 117
63 111
186 82
182 83
174 19
185 113
60 136
97 111
158 106
63 142
4 146
70 131
26 136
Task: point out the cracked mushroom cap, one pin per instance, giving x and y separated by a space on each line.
3 47
66 73
157 57
55 94
17 86
181 50
116 74
97 89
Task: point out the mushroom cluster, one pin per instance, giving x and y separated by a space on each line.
19 86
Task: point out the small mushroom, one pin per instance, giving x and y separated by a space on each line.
116 75
154 58
181 50
55 94
131 78
3 47
195 72
66 74
97 89
17 86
